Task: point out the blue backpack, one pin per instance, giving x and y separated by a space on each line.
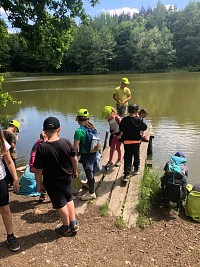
93 140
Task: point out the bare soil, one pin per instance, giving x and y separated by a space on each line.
170 240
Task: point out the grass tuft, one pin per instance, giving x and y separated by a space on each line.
150 195
119 222
104 209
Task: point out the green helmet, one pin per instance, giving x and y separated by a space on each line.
107 110
83 112
16 124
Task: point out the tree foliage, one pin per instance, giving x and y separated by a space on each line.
5 98
46 26
153 40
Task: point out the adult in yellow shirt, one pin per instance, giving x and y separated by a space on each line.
121 95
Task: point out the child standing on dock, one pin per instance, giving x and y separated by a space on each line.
114 120
142 114
130 128
121 95
87 158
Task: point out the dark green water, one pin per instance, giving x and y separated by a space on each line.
172 100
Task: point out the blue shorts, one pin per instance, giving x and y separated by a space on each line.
59 191
4 195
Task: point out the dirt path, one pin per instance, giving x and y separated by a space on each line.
171 239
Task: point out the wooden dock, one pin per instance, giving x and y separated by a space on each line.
121 198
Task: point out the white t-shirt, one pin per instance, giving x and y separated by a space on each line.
114 124
2 168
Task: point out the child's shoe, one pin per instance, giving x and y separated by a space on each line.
42 197
63 230
109 164
74 227
13 243
118 163
88 196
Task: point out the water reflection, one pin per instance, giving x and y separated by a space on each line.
171 99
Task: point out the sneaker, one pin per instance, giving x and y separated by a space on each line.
42 197
125 178
109 164
118 163
63 230
74 227
88 196
13 243
84 184
136 172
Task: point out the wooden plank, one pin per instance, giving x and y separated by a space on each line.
129 211
118 194
103 192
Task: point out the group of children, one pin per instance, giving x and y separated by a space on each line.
56 159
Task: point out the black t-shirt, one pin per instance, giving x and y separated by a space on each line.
131 128
54 158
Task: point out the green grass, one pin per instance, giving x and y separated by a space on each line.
150 195
104 209
119 222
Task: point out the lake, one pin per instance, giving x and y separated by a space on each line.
172 100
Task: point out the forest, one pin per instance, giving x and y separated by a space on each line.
49 38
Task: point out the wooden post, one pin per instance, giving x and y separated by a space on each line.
150 145
105 140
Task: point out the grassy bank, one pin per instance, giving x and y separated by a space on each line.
150 195
33 74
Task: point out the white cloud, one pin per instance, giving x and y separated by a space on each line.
2 11
124 10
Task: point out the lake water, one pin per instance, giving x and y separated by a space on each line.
172 101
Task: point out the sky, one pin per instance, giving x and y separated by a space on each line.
116 6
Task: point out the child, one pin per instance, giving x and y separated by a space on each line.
142 114
4 195
121 95
87 158
130 128
43 138
114 120
11 136
28 186
56 162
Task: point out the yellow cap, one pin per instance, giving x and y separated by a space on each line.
16 124
107 110
83 112
125 81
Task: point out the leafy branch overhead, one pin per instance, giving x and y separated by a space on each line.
46 24
5 98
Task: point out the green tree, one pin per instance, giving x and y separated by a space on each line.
122 35
151 49
46 25
4 47
81 48
103 50
158 17
187 35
